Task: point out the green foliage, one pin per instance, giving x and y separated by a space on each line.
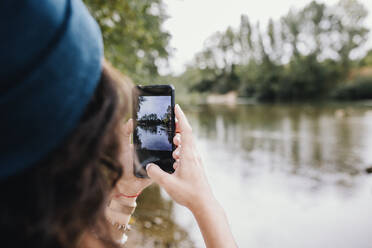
133 36
367 60
222 83
304 55
359 89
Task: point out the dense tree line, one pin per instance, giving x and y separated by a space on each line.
305 55
308 53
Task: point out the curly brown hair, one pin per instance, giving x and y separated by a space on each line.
57 201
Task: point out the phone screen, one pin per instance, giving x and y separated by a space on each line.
154 128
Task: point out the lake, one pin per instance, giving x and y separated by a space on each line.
154 138
287 176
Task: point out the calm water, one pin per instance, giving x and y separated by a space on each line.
154 138
287 176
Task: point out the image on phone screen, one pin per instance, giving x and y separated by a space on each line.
154 131
153 123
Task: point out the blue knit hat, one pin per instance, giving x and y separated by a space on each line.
50 63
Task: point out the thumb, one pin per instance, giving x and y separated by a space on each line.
158 175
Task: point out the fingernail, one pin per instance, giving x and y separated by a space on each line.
148 166
177 152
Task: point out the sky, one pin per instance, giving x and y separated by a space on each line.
154 104
191 22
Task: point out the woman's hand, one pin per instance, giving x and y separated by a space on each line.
188 185
129 185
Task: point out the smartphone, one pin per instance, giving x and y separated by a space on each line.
154 127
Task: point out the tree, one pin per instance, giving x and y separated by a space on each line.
291 31
304 55
351 32
133 36
367 60
244 39
167 116
149 118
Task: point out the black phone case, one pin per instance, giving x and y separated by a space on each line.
153 90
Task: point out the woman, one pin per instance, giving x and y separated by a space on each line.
66 176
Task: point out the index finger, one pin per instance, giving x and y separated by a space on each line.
184 126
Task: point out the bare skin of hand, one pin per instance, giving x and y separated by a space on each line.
189 187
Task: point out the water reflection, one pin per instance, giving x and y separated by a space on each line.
155 137
287 175
307 140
